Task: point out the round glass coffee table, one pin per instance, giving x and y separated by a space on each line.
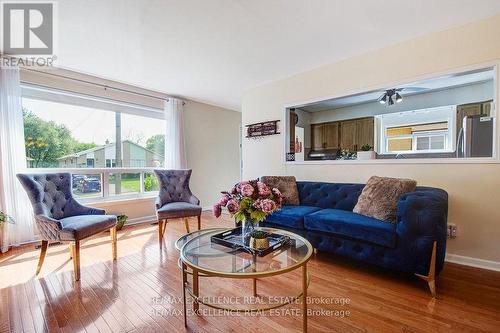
200 257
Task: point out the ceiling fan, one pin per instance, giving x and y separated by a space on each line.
391 96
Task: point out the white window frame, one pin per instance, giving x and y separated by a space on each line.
449 138
414 137
49 94
112 162
430 134
104 173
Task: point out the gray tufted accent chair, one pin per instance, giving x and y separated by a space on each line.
175 199
60 217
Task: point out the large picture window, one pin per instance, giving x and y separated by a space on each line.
88 140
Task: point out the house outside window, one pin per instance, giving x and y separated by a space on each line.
110 163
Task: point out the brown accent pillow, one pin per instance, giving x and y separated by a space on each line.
381 195
287 186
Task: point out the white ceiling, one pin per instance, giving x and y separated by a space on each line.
214 50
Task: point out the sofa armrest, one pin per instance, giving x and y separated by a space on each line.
421 220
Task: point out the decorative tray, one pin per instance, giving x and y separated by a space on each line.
232 238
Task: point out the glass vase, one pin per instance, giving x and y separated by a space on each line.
247 226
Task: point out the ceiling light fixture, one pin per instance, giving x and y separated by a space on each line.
391 96
383 99
399 98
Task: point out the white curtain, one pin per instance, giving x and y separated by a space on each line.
13 199
175 150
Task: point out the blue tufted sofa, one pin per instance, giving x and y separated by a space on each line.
325 218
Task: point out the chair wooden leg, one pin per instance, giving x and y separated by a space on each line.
76 260
431 277
186 223
160 232
113 242
164 228
71 250
43 251
199 222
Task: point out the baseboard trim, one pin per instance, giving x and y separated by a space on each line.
151 218
473 262
142 219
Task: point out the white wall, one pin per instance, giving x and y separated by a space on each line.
137 210
474 189
213 152
212 144
479 92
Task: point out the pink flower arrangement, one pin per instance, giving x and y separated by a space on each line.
233 206
268 206
249 201
217 210
223 201
264 191
247 190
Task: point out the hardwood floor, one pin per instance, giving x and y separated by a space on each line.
141 292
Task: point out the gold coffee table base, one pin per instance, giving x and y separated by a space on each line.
289 300
201 258
194 293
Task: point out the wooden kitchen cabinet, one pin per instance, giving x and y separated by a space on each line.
486 108
347 134
331 135
364 133
318 136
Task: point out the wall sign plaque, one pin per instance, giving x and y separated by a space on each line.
262 129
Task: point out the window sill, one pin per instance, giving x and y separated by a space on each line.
416 152
399 161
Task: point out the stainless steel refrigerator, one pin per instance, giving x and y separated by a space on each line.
475 138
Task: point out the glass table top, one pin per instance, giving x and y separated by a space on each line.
199 252
187 237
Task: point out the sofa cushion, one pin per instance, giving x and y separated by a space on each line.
381 195
287 185
291 216
329 195
352 225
